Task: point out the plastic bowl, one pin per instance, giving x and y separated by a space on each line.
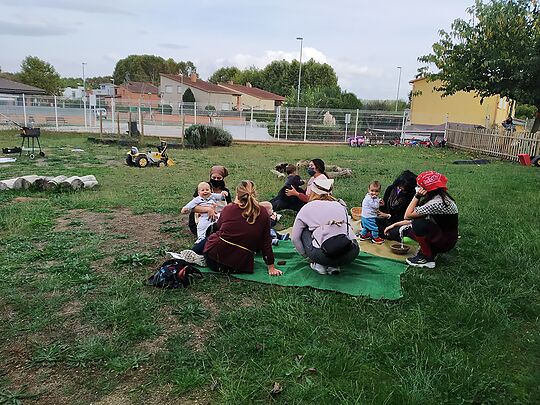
356 213
399 250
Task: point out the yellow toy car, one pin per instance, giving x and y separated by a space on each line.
144 159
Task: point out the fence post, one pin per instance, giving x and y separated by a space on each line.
305 125
56 112
195 113
445 128
278 121
286 122
251 118
356 123
24 110
112 112
118 123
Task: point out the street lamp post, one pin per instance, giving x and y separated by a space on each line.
84 96
299 72
398 83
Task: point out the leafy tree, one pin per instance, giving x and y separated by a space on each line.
324 97
384 105
9 76
38 73
146 68
526 111
224 74
496 52
188 96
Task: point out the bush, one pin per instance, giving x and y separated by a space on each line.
202 136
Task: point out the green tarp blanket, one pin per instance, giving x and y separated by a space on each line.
369 275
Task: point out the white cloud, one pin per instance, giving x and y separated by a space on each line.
33 29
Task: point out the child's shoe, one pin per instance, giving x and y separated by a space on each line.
275 241
367 236
333 270
318 268
378 240
285 237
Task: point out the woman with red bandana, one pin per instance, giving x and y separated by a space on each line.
431 219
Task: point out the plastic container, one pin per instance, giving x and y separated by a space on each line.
524 159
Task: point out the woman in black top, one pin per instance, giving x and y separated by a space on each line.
396 200
431 219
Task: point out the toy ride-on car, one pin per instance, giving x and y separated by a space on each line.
144 159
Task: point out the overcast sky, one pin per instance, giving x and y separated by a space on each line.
363 40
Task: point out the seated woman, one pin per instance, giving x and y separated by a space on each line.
217 185
316 171
396 200
431 219
320 222
243 228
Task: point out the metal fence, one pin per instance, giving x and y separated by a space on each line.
152 118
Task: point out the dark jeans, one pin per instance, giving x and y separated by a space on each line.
218 267
431 238
382 223
286 203
317 255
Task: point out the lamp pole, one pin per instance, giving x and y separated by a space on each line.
398 83
84 96
299 71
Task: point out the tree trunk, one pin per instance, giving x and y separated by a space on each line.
536 124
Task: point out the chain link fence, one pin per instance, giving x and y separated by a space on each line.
118 117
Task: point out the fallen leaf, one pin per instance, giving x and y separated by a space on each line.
276 389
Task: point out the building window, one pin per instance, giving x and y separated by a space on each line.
168 89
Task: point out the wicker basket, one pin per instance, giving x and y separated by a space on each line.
356 213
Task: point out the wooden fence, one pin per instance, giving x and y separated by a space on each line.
504 144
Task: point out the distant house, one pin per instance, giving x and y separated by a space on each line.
428 107
140 91
173 87
10 91
253 97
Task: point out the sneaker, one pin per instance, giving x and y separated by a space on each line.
421 261
191 257
285 237
275 241
333 270
367 236
318 268
378 240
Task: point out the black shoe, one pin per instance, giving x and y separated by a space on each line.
421 261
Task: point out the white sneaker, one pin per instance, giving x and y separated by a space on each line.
191 257
319 268
333 270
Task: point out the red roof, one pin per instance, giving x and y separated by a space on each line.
200 84
142 88
253 91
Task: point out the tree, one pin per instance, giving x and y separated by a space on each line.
224 74
146 68
38 73
497 52
188 96
524 111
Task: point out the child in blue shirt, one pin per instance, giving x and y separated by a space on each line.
370 209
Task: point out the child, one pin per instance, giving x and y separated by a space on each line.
276 237
281 201
370 206
206 199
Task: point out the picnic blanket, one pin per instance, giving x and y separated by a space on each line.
369 275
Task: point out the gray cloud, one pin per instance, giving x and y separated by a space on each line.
33 29
68 5
173 46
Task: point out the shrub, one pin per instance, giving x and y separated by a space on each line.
202 136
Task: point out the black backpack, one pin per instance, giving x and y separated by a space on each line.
174 273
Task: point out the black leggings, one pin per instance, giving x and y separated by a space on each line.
431 238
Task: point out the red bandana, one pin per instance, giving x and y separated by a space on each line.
431 180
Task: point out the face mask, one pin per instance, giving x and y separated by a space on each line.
217 183
310 171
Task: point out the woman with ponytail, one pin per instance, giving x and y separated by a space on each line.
243 228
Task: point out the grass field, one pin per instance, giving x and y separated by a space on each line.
78 326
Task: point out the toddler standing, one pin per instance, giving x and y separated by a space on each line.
370 207
206 199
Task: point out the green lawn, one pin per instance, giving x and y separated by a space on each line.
78 326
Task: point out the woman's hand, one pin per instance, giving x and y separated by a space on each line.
292 192
272 271
420 193
388 228
381 214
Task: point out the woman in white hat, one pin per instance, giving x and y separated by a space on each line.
322 230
